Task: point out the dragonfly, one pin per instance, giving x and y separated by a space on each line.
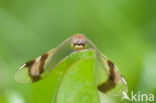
32 70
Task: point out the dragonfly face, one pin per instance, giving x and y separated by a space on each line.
33 70
78 42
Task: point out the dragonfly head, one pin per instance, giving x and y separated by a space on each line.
78 42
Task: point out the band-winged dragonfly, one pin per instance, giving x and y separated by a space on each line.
32 70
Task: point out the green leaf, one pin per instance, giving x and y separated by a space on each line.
77 84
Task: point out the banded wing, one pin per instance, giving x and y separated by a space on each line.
37 68
115 84
110 81
32 70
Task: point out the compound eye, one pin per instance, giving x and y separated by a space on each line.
78 40
82 41
75 41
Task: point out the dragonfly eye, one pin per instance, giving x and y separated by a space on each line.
78 42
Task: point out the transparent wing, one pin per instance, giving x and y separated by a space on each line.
115 84
32 70
107 76
37 68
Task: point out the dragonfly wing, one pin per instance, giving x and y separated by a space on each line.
32 70
113 82
37 68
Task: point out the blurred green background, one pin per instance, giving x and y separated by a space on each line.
124 30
